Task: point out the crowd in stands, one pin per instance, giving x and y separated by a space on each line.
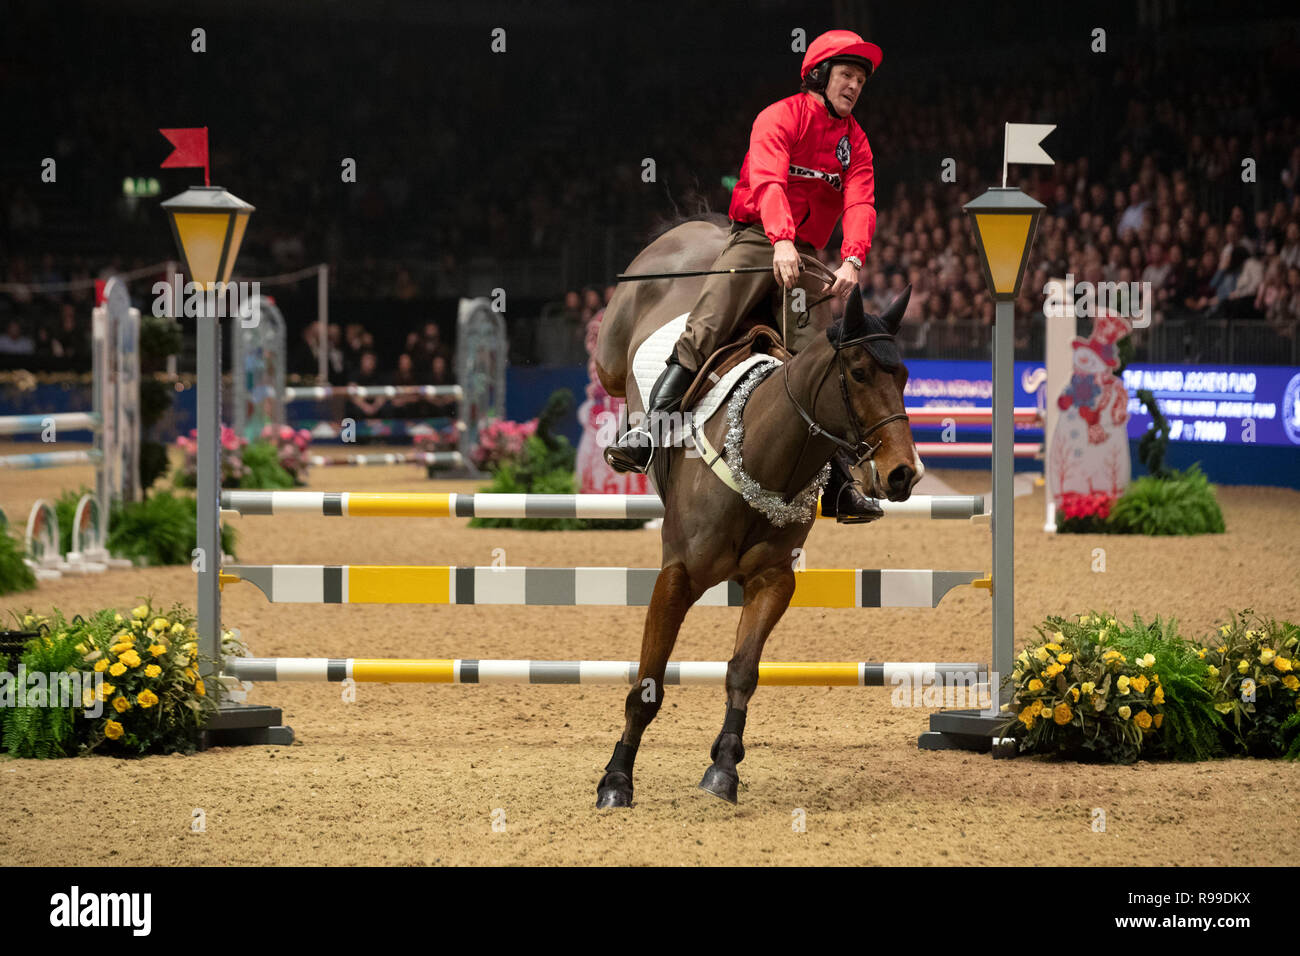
1148 185
352 359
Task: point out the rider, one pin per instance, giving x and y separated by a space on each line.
808 163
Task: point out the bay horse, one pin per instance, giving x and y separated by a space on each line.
844 389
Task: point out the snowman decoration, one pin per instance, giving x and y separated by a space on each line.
1090 450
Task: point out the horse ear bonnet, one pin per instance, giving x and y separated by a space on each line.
857 323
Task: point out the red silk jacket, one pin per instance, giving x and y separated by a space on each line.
803 170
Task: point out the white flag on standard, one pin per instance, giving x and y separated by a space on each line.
1022 145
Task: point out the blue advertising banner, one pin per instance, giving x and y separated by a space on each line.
1233 405
967 384
1210 410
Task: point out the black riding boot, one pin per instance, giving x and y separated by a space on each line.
843 500
634 451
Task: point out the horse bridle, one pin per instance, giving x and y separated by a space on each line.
859 448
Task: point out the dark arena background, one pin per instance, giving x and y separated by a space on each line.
418 167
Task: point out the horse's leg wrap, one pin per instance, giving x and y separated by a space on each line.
615 787
733 723
621 762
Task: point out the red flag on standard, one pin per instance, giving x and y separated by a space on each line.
191 149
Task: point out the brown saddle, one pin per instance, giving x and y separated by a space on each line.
755 339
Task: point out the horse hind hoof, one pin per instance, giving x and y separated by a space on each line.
615 790
721 783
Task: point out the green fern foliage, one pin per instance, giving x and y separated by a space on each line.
1181 504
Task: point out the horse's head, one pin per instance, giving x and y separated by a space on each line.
867 405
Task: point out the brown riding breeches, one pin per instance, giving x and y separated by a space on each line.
727 299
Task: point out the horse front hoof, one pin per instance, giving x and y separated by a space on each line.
614 790
721 783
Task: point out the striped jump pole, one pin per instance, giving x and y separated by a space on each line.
437 459
710 673
321 392
972 449
587 587
52 459
383 427
938 415
31 424
353 504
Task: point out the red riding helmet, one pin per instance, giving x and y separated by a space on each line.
834 45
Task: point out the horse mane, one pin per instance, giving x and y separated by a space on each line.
701 212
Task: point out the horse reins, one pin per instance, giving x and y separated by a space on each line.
860 448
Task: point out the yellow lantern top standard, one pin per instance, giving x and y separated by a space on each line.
1005 221
208 225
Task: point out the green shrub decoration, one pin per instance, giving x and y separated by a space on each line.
1095 689
161 530
1076 695
143 694
38 729
1182 503
1252 664
262 468
15 575
546 468
244 464
1191 729
1290 731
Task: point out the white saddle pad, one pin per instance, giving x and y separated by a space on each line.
649 361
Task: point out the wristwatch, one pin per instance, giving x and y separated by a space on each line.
857 263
